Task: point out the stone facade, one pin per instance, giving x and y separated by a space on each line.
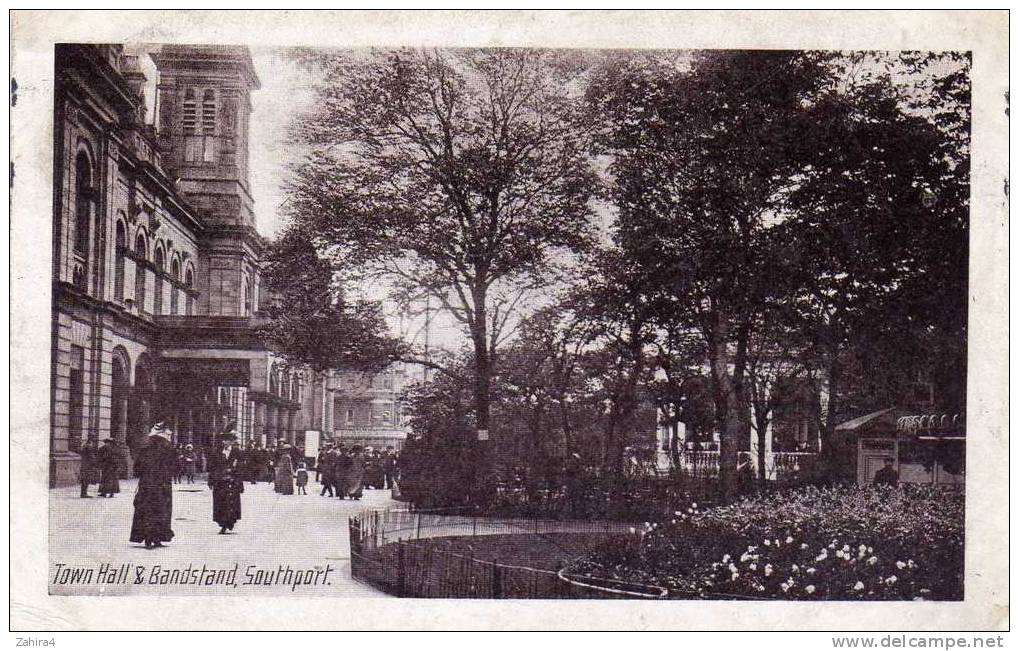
156 259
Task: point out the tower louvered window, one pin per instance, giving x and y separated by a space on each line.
190 114
208 113
199 121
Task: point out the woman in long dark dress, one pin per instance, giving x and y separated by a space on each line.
354 478
153 503
109 482
227 484
285 472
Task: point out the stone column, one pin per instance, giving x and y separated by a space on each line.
125 465
291 432
328 416
190 426
274 422
259 424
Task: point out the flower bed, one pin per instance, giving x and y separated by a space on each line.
811 543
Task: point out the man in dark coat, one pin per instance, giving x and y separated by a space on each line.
109 482
327 469
89 473
227 484
887 475
153 503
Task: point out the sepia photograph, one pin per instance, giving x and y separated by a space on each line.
644 324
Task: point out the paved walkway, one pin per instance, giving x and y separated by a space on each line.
305 534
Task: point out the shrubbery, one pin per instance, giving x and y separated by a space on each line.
812 543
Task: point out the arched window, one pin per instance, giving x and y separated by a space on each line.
189 300
141 251
82 217
157 298
120 244
274 386
249 295
174 288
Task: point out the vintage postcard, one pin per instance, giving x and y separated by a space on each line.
625 319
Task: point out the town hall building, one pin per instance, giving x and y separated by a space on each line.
156 260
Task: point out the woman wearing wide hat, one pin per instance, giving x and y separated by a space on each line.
226 482
153 503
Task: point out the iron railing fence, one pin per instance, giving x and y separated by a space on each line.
431 555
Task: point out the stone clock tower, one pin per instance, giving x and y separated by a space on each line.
203 109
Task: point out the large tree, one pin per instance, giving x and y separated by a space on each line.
702 152
875 232
459 173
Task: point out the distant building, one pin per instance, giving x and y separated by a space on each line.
156 259
368 409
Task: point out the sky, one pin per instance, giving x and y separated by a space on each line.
286 93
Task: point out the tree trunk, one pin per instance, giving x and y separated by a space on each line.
761 421
564 412
828 456
728 401
482 358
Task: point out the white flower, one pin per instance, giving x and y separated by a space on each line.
863 548
858 586
735 575
689 510
845 548
785 587
694 505
753 567
839 554
910 563
633 530
811 570
733 569
823 555
725 559
768 570
767 543
752 548
796 568
678 513
744 557
900 565
803 545
714 566
760 588
810 589
870 550
892 579
673 521
788 539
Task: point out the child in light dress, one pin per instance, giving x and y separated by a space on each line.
302 479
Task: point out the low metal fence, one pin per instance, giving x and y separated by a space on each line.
421 554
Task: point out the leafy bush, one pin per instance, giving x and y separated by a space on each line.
812 543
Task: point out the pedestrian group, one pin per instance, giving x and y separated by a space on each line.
343 472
